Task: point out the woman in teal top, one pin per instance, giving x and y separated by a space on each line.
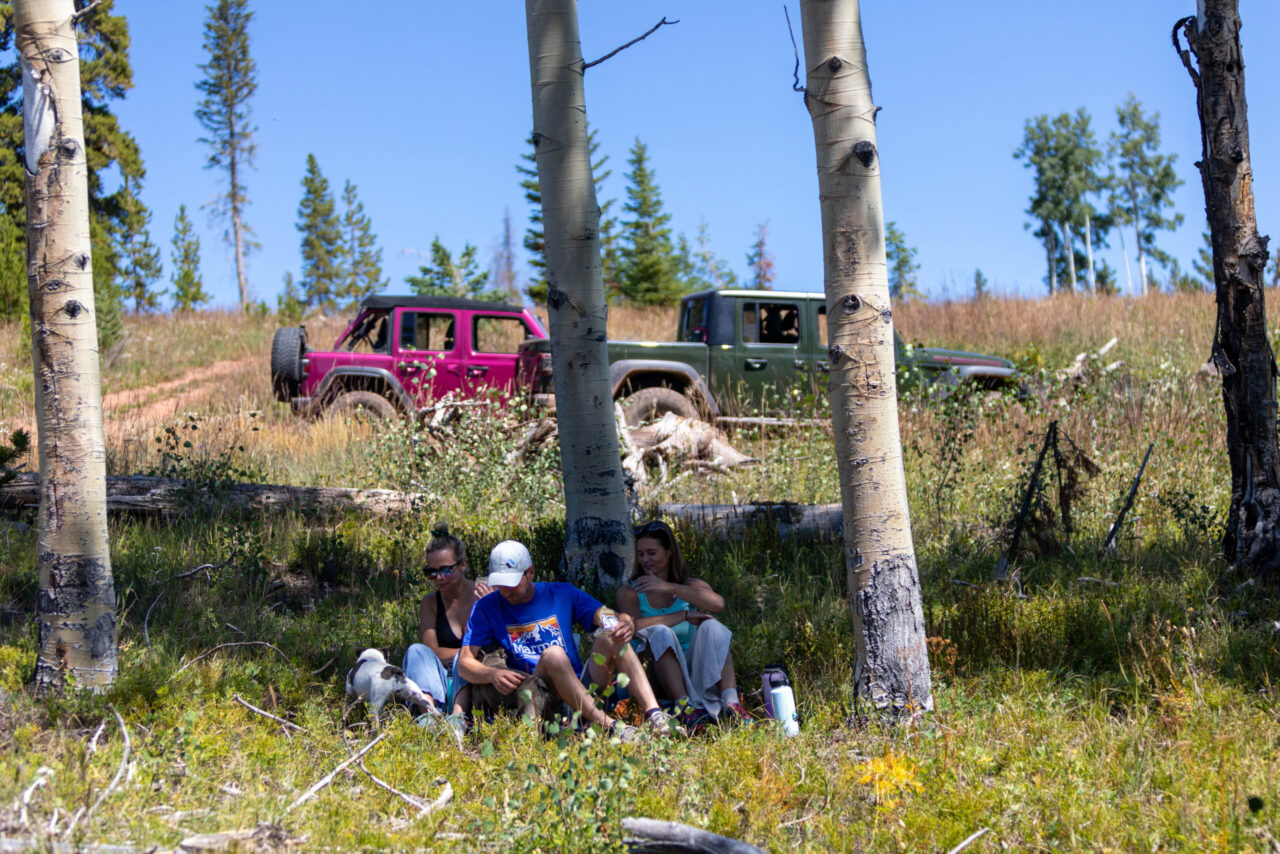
688 648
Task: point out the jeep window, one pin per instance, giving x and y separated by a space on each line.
693 325
371 334
421 330
771 323
822 326
490 334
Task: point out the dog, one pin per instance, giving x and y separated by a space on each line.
532 698
374 681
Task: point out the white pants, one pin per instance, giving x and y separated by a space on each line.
705 663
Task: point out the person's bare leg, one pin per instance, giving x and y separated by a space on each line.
669 677
555 667
618 658
462 701
727 677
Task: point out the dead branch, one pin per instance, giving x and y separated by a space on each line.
328 778
146 635
86 10
423 808
616 51
265 714
795 72
115 781
1088 579
969 840
322 668
1110 543
237 643
1002 569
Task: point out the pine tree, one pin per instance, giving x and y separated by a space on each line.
981 287
701 268
449 278
649 264
363 270
322 247
142 265
188 286
290 306
1143 181
1203 265
902 264
534 240
760 260
230 80
105 75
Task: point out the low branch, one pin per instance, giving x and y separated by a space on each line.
203 656
423 808
1050 438
616 51
969 840
1110 543
146 635
328 778
265 714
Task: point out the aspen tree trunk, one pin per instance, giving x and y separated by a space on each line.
1088 251
1137 240
1070 240
598 536
1241 349
1051 246
75 615
891 670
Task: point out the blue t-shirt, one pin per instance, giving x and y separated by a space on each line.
526 630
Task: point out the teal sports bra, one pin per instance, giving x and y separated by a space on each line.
684 630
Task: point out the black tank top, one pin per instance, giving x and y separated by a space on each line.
444 631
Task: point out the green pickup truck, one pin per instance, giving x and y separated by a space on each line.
740 356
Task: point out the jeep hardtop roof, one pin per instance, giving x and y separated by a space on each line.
757 294
414 301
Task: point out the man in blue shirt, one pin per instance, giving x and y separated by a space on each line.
534 623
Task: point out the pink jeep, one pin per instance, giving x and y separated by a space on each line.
402 353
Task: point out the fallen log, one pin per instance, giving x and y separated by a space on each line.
151 496
651 836
822 522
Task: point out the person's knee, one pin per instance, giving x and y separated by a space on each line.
660 633
554 658
715 629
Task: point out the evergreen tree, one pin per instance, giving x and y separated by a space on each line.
701 268
105 75
504 277
230 80
290 306
649 265
449 278
142 265
535 242
1203 265
901 259
322 247
363 271
188 286
981 287
760 260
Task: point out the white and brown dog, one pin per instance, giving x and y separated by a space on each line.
375 682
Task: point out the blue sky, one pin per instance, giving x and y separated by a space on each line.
426 108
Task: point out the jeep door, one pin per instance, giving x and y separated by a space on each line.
771 356
428 364
495 339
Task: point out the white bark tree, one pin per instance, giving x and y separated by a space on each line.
892 664
75 617
598 536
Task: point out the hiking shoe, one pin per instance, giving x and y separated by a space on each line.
695 720
625 733
665 724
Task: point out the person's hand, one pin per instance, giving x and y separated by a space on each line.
625 630
652 584
695 617
482 589
506 681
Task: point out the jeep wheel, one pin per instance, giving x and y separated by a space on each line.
287 349
650 404
362 406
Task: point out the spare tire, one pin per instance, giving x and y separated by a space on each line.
287 349
650 404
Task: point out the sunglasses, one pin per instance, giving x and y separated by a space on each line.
440 571
650 528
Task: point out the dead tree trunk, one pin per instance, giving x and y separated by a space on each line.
892 663
1241 349
598 539
75 616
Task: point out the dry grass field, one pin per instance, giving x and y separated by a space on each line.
1100 702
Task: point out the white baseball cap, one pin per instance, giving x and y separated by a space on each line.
507 563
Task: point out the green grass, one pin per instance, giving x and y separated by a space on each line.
1119 702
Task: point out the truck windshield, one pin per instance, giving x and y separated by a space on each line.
693 321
